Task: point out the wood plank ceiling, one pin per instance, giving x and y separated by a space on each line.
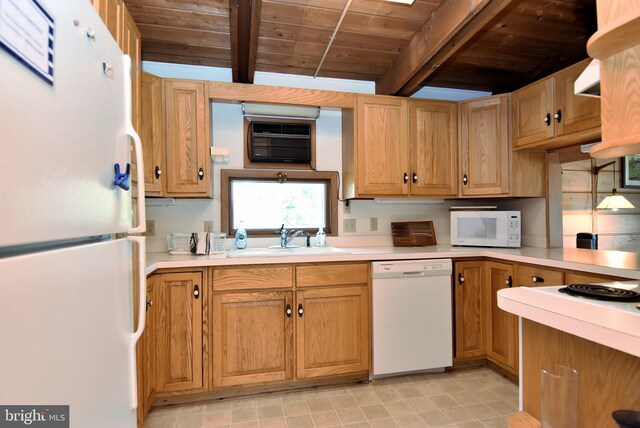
494 45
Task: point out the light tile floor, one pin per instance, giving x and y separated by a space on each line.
474 398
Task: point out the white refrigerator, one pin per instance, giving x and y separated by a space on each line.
67 333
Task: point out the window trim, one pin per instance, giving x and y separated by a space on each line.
228 175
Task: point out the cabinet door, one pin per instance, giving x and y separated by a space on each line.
484 147
188 162
110 12
252 337
382 149
148 339
152 133
469 310
533 113
433 140
332 331
179 355
502 327
574 113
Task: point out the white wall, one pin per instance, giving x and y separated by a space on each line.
188 215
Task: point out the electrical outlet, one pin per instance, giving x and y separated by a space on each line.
151 228
347 208
349 225
208 226
373 224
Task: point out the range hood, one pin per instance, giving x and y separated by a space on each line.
588 83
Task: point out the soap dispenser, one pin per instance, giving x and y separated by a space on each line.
241 237
321 238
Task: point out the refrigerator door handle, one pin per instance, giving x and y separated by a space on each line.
137 145
142 316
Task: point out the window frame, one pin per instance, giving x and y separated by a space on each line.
226 207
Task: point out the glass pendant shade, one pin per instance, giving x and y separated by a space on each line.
614 202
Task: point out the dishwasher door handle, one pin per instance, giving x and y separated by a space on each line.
416 273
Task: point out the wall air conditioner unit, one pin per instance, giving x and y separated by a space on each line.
280 142
283 111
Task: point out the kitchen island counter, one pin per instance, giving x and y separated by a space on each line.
601 262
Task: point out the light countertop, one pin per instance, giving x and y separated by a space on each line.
616 325
603 262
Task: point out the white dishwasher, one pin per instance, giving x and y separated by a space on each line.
412 324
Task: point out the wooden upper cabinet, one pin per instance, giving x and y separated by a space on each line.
433 138
187 162
533 119
502 327
332 331
470 307
110 12
252 337
152 133
131 45
484 147
179 357
548 115
577 113
382 154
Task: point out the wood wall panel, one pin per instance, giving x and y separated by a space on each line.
609 379
616 230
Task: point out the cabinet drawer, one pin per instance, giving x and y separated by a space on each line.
315 275
536 276
252 277
575 277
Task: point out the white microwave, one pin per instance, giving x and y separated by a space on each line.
485 228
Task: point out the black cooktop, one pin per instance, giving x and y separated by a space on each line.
601 292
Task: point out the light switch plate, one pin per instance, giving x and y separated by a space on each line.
349 225
346 209
151 228
373 224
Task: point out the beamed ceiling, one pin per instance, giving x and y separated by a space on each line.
492 45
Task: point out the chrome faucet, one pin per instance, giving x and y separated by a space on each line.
285 238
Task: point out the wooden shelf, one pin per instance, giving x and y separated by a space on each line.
615 37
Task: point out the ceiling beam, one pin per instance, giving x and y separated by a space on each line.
449 27
244 26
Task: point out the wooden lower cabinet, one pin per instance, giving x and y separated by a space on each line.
332 331
179 331
148 340
469 310
252 337
502 327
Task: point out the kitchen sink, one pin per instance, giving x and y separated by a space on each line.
284 252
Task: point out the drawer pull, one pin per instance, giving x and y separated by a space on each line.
537 279
288 311
300 310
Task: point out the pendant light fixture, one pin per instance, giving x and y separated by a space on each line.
614 201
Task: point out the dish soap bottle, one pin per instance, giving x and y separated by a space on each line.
321 238
241 237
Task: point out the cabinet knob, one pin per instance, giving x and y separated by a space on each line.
405 178
465 179
414 178
158 172
460 279
288 311
196 291
509 281
547 119
558 116
149 304
537 279
300 310
201 173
